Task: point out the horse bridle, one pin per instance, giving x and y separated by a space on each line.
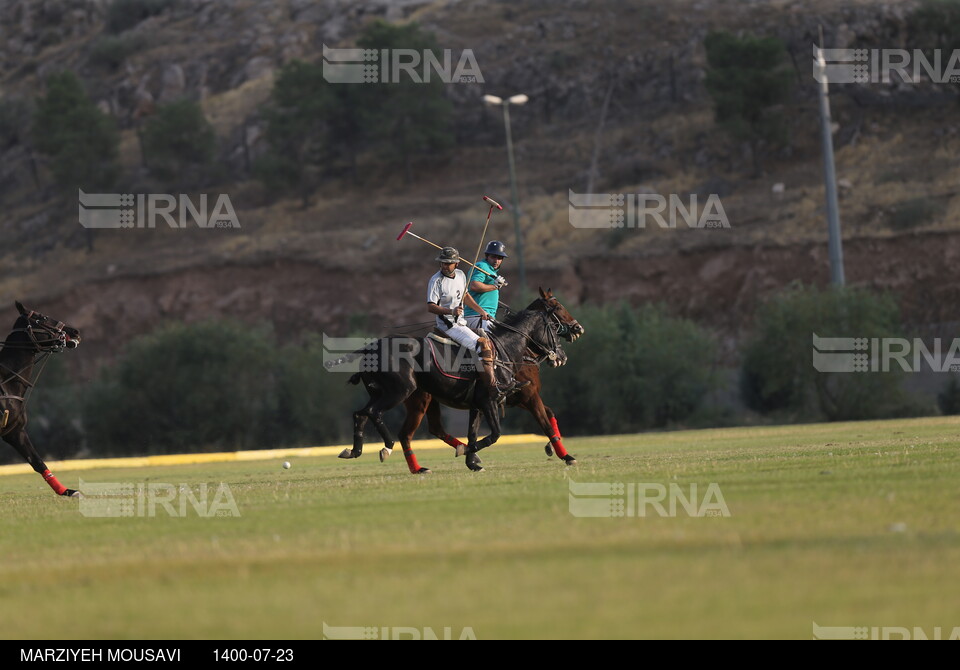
38 346
562 328
37 322
549 351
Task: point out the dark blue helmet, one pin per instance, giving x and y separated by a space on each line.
496 248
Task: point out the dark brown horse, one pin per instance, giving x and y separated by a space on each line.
33 338
421 402
527 397
396 367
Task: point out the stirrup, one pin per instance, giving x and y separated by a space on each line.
518 386
511 387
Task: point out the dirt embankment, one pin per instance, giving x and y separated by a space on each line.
722 288
719 288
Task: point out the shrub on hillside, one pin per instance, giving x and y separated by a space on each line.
125 14
81 141
178 140
184 387
111 51
748 80
914 213
217 385
777 360
635 369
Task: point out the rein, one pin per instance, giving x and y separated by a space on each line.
561 329
42 350
18 374
549 351
35 344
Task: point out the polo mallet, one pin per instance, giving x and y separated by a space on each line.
493 203
406 231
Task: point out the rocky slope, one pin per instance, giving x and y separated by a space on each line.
336 260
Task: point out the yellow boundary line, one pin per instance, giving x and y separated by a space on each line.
235 456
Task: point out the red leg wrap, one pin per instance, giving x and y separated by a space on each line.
57 487
411 461
555 439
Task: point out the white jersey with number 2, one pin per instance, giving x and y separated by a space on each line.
448 293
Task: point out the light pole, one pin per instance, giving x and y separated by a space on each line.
518 99
835 240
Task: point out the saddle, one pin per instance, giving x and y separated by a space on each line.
437 334
451 350
466 371
446 356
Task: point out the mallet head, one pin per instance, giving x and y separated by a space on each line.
493 203
404 231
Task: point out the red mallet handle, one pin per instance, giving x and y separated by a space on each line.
404 231
493 202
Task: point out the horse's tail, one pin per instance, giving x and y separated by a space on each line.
354 379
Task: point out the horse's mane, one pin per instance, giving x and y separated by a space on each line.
507 328
516 317
14 337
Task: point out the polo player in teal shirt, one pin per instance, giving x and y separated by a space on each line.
485 288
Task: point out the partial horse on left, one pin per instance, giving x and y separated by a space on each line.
33 338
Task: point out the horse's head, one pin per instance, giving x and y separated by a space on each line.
567 327
41 333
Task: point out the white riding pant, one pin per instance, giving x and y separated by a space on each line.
463 336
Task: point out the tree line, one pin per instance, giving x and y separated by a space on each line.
314 129
222 385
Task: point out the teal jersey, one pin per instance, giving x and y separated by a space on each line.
488 300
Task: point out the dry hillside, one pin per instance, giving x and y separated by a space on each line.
317 267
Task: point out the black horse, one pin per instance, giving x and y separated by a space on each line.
33 338
406 366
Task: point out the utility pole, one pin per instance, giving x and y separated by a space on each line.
829 174
516 201
519 99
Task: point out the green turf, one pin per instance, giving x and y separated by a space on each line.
843 525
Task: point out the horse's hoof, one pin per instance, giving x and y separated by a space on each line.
385 454
473 462
423 471
71 493
347 453
548 450
460 450
569 459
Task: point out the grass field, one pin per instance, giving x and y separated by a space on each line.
844 525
